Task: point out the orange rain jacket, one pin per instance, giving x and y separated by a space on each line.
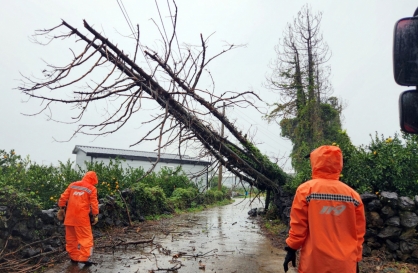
79 198
327 218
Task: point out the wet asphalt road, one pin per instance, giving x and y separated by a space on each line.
222 239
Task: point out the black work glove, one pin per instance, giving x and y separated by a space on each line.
357 270
290 256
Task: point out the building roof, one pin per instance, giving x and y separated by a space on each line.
100 152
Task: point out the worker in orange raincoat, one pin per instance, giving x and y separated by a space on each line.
77 201
327 220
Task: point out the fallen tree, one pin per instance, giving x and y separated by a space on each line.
171 81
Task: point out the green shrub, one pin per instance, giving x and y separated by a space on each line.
110 176
147 201
45 184
19 203
386 164
169 180
41 183
26 182
183 198
213 195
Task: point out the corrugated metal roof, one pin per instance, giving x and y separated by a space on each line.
138 155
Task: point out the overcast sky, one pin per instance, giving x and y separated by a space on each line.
358 32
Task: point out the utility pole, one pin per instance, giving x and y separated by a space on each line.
220 165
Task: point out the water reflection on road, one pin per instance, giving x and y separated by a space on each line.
221 239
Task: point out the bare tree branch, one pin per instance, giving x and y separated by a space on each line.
189 111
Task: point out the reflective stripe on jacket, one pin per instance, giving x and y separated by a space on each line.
79 198
327 218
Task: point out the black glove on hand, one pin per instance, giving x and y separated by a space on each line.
357 270
290 256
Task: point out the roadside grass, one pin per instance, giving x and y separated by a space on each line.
275 227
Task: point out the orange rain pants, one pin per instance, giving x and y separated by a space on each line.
79 242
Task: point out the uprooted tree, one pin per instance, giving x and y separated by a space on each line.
171 79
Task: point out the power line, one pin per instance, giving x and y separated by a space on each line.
129 22
161 19
125 14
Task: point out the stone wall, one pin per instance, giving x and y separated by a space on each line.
24 223
20 227
391 224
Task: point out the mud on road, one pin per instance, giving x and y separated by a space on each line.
221 239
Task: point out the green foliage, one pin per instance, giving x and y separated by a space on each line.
41 183
148 200
310 119
386 164
275 227
111 177
299 131
213 195
184 198
308 116
304 171
154 194
169 180
213 182
18 203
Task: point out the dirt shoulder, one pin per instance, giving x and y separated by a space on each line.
374 264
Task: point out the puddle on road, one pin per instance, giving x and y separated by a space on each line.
221 239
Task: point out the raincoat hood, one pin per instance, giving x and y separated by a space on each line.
326 162
91 178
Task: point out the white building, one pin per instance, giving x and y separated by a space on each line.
135 159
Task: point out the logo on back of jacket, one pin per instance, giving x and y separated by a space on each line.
78 193
337 210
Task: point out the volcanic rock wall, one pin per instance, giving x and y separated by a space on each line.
391 224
